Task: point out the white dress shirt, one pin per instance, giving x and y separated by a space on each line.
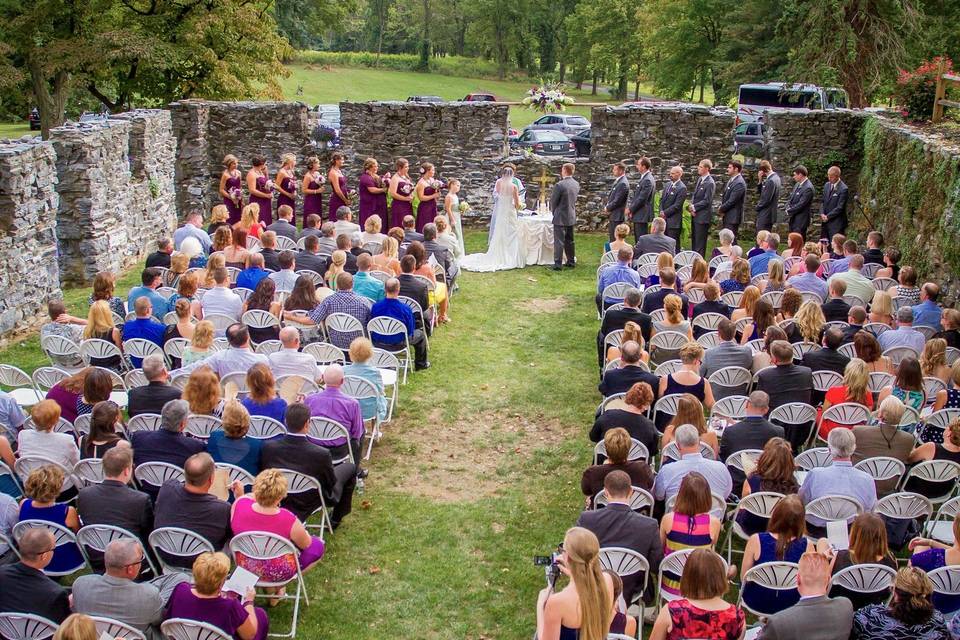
221 300
227 361
288 362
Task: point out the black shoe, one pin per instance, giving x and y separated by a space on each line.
421 367
556 267
569 265
362 473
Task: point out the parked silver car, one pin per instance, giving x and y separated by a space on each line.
749 134
568 124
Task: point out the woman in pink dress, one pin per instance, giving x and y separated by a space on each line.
261 189
287 183
312 188
231 188
428 190
373 192
338 182
401 191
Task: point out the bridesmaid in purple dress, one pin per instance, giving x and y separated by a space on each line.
373 192
428 190
401 190
287 184
231 188
261 189
338 182
312 188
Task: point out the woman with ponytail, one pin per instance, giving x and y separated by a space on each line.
909 615
583 610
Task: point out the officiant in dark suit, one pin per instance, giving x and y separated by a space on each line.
641 207
563 205
731 204
671 203
833 210
701 206
798 206
768 197
617 199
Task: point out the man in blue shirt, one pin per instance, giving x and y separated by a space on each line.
143 326
622 271
192 229
760 263
151 278
391 307
363 283
250 277
808 280
842 265
928 312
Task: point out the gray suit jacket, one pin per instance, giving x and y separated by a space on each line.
563 202
834 206
284 228
731 204
798 206
819 618
769 197
641 207
138 604
617 200
726 354
671 204
655 243
702 199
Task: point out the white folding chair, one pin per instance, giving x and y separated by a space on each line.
174 348
239 378
298 483
627 562
116 629
135 378
940 471
666 345
937 423
268 346
63 538
98 536
946 589
325 353
88 471
879 380
343 327
732 298
673 565
220 322
666 368
932 386
882 468
20 384
696 296
638 451
184 629
666 404
833 508
174 546
144 422
614 401
776 576
802 348
140 348
898 354
759 504
940 527
26 626
243 292
259 319
876 328
730 381
775 298
847 414
26 465
732 407
389 366
386 326
641 501
155 474
825 380
315 277
709 340
307 386
100 350
81 425
45 378
201 426
362 389
238 474
326 430
905 506
813 458
61 351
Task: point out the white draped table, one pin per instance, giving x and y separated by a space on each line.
536 237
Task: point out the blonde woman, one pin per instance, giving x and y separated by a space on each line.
216 261
933 360
620 233
631 331
664 261
219 218
100 326
747 301
446 238
201 343
739 277
287 184
184 327
881 309
231 188
856 379
387 260
808 248
337 261
690 411
674 320
584 608
231 443
77 626
202 392
250 220
222 239
809 321
179 263
372 228
699 275
775 277
688 378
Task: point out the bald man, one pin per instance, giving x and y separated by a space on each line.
815 617
833 209
671 203
333 404
23 586
289 360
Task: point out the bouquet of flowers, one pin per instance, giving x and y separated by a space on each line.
321 179
464 207
268 185
438 184
547 99
350 193
383 180
406 188
236 195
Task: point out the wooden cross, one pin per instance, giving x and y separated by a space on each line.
544 180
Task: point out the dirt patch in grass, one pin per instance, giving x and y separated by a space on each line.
465 460
544 305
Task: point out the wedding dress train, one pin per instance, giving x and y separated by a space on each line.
506 247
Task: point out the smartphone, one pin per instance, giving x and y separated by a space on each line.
542 561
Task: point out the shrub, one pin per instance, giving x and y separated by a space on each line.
915 90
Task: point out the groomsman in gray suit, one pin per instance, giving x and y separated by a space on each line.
617 200
701 206
671 203
563 204
769 196
833 211
798 205
641 207
731 204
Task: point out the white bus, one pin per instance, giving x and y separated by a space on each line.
756 99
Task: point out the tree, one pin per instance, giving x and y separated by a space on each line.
497 28
380 11
858 43
303 22
751 50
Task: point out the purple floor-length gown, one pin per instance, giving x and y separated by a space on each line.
401 208
233 209
371 203
426 211
335 201
289 185
266 204
312 202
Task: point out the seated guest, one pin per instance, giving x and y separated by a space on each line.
204 601
219 215
631 417
739 277
848 249
928 312
347 262
387 260
231 443
689 525
310 258
143 327
438 294
106 431
161 257
835 309
909 615
759 244
236 358
747 302
727 353
439 252
361 351
117 594
220 299
789 308
867 348
391 307
410 233
415 289
203 393
65 393
904 335
857 284
873 254
884 439
622 271
891 262
949 450
447 239
881 309
363 283
673 320
41 489
190 505
333 404
250 277
261 512
671 475
785 382
295 451
617 443
283 225
271 257
815 616
97 387
263 299
23 586
950 321
157 392
65 326
855 389
114 501
827 358
262 399
168 443
855 321
930 554
868 545
688 378
753 432
839 479
690 411
949 398
9 514
289 360
775 472
628 373
668 286
184 327
103 288
760 262
617 525
933 360
701 611
42 441
201 344
620 622
710 304
907 385
286 276
151 279
193 252
664 261
617 319
343 301
345 226
631 332
328 238
783 541
192 228
761 359
657 241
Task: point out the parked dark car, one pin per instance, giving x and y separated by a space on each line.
424 99
581 142
749 134
479 97
546 143
34 119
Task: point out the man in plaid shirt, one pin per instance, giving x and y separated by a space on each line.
343 301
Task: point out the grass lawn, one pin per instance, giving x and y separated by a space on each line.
477 473
14 129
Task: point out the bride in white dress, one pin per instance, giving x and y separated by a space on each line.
506 249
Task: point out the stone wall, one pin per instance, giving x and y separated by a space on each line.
28 240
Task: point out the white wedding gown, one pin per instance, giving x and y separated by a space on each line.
506 247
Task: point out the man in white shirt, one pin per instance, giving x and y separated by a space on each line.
345 224
287 276
221 299
290 360
239 357
192 229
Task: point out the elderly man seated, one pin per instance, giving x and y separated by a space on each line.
250 277
168 443
333 404
237 358
289 360
671 475
629 372
157 392
622 271
23 586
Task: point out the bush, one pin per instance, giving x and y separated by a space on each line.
915 90
447 65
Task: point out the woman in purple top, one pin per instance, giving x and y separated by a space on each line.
428 190
262 399
205 601
312 188
401 191
261 189
287 184
338 183
231 188
373 193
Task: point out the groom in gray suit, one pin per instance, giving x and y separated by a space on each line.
563 204
617 200
731 203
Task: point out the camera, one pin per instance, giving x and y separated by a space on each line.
551 565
